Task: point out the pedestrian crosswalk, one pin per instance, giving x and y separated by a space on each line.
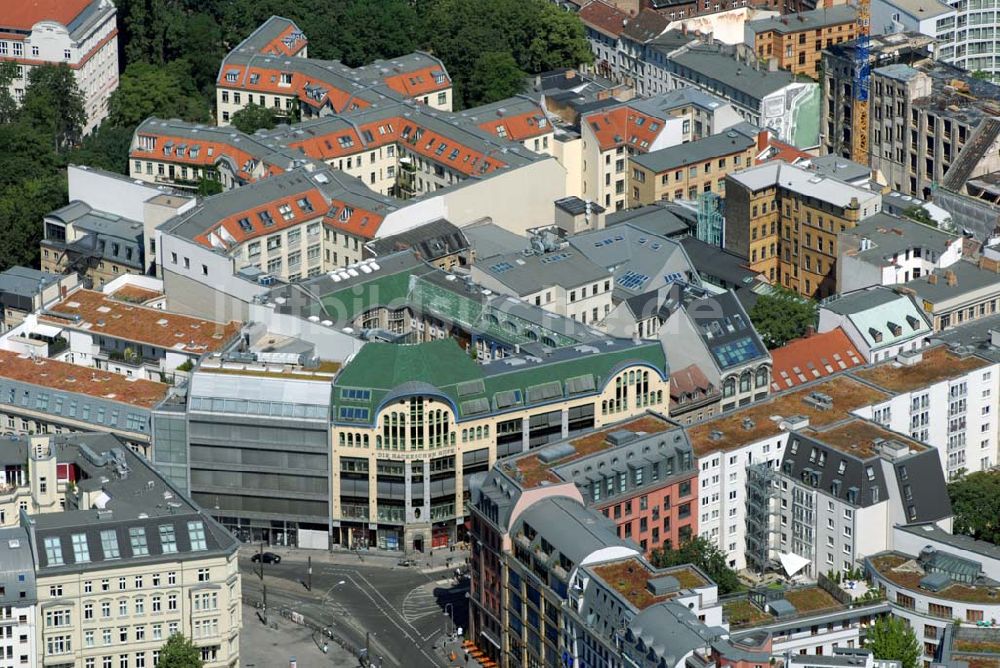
420 603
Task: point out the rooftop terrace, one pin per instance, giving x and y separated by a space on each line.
134 294
755 422
903 571
535 471
631 577
82 380
939 363
860 438
101 315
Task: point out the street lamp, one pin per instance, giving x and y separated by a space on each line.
449 611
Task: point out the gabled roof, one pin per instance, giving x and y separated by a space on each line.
604 18
23 14
815 356
881 316
675 157
647 25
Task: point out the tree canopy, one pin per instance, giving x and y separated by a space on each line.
253 117
975 501
892 638
706 556
782 316
179 652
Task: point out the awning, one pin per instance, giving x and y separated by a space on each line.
101 502
793 563
50 331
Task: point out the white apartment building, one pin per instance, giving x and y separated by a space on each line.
82 34
955 411
888 250
944 399
120 559
18 600
966 32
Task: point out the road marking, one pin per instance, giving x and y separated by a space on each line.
419 603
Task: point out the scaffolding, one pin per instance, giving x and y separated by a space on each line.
762 512
710 219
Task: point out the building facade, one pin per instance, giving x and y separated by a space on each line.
82 34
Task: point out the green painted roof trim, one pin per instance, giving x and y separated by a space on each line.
385 368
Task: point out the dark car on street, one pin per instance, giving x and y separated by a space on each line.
267 558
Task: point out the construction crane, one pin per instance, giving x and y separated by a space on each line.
862 74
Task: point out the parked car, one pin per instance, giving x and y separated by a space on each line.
266 557
406 562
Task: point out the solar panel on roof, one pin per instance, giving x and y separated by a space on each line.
507 398
632 280
557 257
674 277
545 391
736 352
580 384
501 267
475 406
471 387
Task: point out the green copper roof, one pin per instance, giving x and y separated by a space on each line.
379 369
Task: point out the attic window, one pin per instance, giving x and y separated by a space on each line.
286 212
346 214
346 141
305 205
653 127
439 78
265 217
440 149
231 75
367 136
254 78
245 224
640 120
453 154
502 131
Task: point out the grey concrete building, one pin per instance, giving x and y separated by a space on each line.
837 80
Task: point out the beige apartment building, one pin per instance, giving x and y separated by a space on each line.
785 220
689 170
122 559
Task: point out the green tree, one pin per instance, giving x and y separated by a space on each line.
179 652
253 117
148 90
107 148
919 214
975 502
892 638
8 106
782 316
494 76
706 556
53 104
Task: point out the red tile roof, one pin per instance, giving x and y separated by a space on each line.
237 232
418 82
520 127
624 126
604 18
22 14
268 80
812 357
278 47
209 153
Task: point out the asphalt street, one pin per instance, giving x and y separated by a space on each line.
404 612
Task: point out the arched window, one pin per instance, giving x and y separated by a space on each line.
745 382
729 387
762 377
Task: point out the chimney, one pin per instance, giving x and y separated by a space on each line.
810 331
570 74
932 279
763 140
951 278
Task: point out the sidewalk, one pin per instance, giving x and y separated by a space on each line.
440 560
